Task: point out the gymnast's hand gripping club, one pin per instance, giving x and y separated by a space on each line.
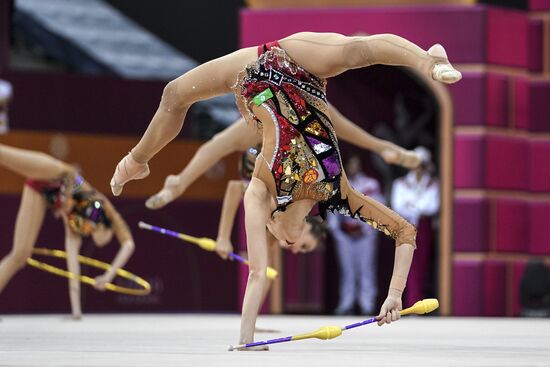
207 244
331 332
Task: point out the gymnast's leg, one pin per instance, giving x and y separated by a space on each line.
32 164
208 80
27 226
340 53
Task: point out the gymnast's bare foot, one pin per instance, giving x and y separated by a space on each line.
443 71
126 170
169 192
404 158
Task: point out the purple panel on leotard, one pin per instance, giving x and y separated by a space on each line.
471 221
539 212
511 225
317 145
539 169
424 25
494 288
469 161
332 165
467 288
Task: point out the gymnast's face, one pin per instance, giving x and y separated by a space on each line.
102 235
307 242
298 239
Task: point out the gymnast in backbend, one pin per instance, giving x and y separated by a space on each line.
51 183
241 137
280 86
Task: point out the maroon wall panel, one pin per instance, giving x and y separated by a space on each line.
467 288
469 99
506 162
507 35
469 162
539 169
471 223
494 288
511 225
539 228
498 106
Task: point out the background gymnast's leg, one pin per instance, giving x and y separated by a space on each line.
27 226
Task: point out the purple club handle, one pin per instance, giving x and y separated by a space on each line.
270 341
357 324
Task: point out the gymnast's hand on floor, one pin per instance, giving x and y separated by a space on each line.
223 247
390 309
126 170
170 191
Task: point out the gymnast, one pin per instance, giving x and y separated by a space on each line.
51 183
240 137
281 87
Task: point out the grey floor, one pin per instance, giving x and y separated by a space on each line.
201 340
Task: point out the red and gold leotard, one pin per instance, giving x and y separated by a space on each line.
306 161
87 210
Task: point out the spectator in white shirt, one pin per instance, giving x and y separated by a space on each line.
417 193
416 196
356 248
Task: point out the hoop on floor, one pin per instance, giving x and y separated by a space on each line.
145 290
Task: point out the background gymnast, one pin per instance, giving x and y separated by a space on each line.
85 212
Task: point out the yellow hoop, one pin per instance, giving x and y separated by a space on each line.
88 280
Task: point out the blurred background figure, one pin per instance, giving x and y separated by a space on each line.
5 97
416 198
356 243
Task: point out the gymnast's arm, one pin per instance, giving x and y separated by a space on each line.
390 152
256 201
125 239
233 195
72 246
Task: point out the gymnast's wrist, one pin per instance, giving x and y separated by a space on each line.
395 293
397 285
110 274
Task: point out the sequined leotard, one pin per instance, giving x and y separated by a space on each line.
87 211
306 162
